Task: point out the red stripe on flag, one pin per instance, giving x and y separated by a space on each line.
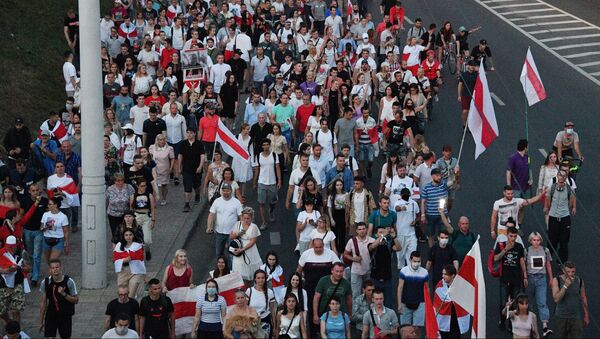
487 132
229 295
233 144
184 309
467 272
534 80
431 325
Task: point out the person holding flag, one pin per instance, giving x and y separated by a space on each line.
452 319
60 184
13 282
128 257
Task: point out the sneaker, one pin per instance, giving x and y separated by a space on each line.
263 226
546 332
186 208
148 255
197 198
163 202
176 181
297 250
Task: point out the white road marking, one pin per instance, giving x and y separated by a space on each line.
275 238
538 17
491 1
579 55
548 23
528 11
595 74
543 151
516 5
571 37
408 20
587 64
497 99
541 43
565 29
576 46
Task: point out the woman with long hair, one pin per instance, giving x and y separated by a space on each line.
295 287
280 147
155 98
539 272
419 106
128 256
211 310
229 95
243 168
336 206
215 174
129 223
114 69
345 99
275 277
386 110
55 226
141 82
9 201
164 156
110 117
388 170
523 321
548 171
221 268
271 101
309 190
305 224
142 203
290 320
262 299
323 232
178 273
314 120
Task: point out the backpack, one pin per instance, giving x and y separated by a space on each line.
553 189
495 267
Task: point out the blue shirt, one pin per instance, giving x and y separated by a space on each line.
344 41
335 327
433 193
346 176
46 161
319 166
251 113
122 105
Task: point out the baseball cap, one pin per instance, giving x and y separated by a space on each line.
226 187
279 75
11 240
430 52
436 171
365 36
128 126
45 132
569 124
19 120
365 62
483 42
462 29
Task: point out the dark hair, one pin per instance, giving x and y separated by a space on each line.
10 215
512 230
569 264
297 308
122 316
367 283
216 272
57 201
229 169
269 268
332 190
336 264
153 281
377 291
444 232
54 261
12 327
265 287
211 280
450 269
507 188
522 144
510 220
123 237
415 254
334 298
288 288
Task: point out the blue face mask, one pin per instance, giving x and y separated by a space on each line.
211 291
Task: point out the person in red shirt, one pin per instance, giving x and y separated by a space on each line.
397 15
431 66
166 57
207 129
303 112
155 98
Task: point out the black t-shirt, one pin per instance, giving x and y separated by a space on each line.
468 79
156 316
397 130
133 176
33 224
152 129
344 74
464 44
191 154
149 13
381 262
73 26
477 54
114 308
511 262
439 258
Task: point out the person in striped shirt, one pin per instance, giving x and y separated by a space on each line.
433 196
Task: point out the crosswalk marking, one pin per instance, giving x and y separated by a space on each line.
492 1
548 23
539 21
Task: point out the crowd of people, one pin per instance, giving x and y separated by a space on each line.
329 91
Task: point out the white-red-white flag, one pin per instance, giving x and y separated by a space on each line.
66 184
230 143
482 119
531 81
468 290
350 9
184 300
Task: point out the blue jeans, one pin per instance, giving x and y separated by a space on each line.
299 138
221 240
33 242
288 137
537 288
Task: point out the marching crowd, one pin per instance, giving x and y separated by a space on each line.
329 91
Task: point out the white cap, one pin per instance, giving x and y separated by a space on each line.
365 36
11 240
128 126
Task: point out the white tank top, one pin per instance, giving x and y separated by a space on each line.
522 327
387 113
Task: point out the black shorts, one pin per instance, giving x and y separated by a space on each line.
191 181
209 147
57 322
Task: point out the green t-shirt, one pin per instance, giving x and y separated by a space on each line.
282 114
378 220
325 287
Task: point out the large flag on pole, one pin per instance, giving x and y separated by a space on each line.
468 290
431 325
531 81
230 143
482 119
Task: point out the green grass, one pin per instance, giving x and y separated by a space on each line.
31 48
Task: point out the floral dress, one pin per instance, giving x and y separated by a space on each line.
111 164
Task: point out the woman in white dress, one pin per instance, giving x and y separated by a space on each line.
243 168
386 110
246 259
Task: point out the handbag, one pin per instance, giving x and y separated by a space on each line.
237 244
216 195
51 241
376 329
286 335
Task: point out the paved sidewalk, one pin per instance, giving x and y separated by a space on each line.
172 229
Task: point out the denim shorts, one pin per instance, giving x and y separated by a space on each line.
413 317
60 245
366 152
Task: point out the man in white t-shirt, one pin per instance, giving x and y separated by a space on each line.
138 114
297 178
412 54
357 251
267 180
395 184
222 217
70 74
406 214
508 207
327 139
422 174
121 329
131 144
335 22
217 73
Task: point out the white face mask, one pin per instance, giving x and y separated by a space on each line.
121 330
570 130
415 265
443 242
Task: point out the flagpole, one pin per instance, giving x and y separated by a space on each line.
527 128
462 142
214 149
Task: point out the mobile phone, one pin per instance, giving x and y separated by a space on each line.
442 203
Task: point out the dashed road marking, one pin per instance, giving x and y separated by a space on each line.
275 238
543 151
580 55
571 37
497 99
548 23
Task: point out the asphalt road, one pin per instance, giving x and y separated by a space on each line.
571 96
